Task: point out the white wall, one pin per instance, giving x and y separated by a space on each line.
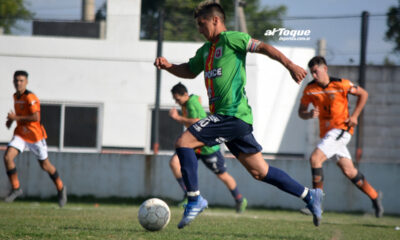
119 73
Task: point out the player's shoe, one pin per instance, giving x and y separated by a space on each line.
315 205
241 206
62 196
183 203
377 204
192 209
13 195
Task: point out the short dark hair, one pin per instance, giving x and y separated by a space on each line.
179 89
207 9
317 60
20 73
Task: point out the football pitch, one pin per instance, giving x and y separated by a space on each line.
32 219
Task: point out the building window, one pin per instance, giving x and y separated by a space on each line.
169 130
71 126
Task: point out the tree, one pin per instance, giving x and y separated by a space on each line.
393 23
179 24
11 11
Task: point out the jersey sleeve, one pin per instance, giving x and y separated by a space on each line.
239 41
305 99
196 63
349 87
33 103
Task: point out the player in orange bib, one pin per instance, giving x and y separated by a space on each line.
328 95
29 133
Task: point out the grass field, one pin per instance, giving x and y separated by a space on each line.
115 219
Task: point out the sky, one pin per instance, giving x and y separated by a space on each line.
342 35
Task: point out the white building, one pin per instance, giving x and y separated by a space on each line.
101 91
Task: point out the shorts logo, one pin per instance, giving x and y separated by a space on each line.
204 122
218 52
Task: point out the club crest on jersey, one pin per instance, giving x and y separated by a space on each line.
218 52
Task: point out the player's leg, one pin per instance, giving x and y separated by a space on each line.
216 163
52 171
346 164
260 170
16 146
188 161
317 159
40 150
359 180
230 183
176 171
12 174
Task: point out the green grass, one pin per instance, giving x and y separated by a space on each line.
116 219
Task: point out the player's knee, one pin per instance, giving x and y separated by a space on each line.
350 172
315 161
257 175
173 163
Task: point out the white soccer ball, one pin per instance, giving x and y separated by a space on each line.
154 214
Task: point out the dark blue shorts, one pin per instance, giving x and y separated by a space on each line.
215 162
235 133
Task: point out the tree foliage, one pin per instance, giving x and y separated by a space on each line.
179 24
11 11
393 23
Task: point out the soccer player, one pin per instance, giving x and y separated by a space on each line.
328 95
192 111
223 58
29 133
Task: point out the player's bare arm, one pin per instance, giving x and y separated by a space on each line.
181 70
173 113
297 72
362 97
34 117
305 114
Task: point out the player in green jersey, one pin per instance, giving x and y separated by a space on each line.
222 58
192 111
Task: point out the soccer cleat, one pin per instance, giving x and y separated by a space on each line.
183 203
192 209
13 195
62 196
241 206
377 205
315 205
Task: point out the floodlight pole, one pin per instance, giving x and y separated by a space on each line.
156 143
361 83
